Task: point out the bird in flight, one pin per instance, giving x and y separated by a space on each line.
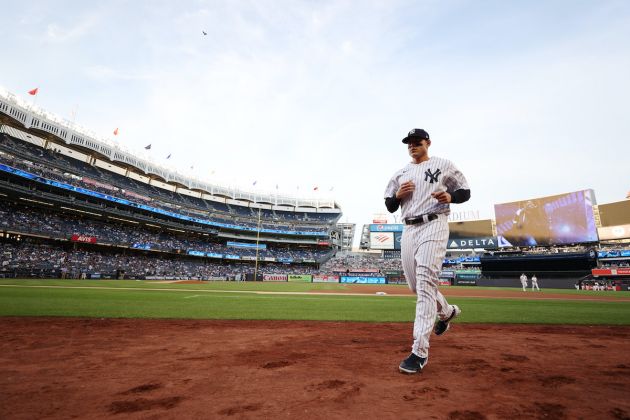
204 32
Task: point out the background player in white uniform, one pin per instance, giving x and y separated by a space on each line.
423 190
524 282
535 283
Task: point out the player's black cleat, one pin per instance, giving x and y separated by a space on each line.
442 325
413 364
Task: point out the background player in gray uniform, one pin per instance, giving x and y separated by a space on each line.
423 190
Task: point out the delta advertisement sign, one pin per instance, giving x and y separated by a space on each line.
489 242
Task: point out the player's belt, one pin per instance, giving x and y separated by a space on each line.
421 219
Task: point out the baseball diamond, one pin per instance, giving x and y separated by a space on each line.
152 359
219 210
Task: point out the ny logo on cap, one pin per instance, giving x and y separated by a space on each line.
412 131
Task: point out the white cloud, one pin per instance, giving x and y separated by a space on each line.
59 33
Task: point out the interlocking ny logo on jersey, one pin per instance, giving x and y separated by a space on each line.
432 177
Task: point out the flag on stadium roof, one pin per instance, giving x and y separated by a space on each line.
116 131
148 147
169 156
33 91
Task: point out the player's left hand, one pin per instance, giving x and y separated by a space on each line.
442 197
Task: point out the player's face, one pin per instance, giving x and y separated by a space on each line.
418 150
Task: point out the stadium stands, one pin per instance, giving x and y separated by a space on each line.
74 203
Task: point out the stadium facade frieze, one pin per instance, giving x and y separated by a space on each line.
31 117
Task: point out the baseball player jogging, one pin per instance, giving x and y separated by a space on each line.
535 283
524 282
423 190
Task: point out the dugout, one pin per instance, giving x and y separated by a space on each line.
554 270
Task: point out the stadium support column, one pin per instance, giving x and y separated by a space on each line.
257 240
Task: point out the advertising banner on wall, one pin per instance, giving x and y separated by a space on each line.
620 271
246 245
274 277
382 240
363 280
83 238
319 278
363 270
613 232
386 228
489 242
305 278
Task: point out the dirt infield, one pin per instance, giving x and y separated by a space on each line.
124 368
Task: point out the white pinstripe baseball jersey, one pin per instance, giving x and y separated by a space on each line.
435 174
423 246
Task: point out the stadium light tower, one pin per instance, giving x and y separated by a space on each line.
257 249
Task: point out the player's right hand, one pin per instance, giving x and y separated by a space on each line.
405 190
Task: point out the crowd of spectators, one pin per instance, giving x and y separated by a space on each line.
54 166
33 259
25 219
622 264
348 261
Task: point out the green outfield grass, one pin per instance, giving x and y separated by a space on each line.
229 300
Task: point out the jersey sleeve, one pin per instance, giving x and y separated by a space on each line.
456 179
392 186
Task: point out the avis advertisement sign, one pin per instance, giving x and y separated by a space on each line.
489 242
83 238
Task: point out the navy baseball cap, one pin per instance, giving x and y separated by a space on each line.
416 133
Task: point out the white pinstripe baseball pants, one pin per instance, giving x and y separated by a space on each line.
423 248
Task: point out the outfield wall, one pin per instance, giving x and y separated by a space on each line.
551 281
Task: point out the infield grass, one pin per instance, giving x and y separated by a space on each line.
229 300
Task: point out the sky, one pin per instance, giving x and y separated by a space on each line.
526 98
